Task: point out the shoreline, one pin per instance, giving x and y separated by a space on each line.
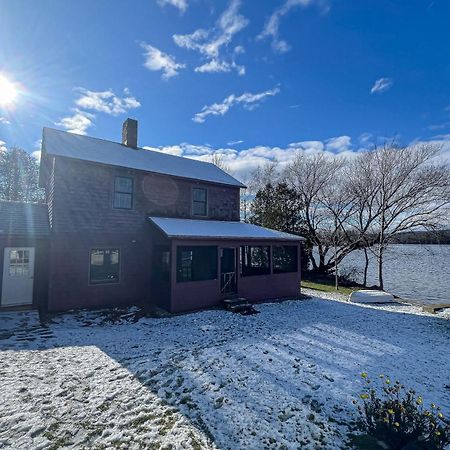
402 305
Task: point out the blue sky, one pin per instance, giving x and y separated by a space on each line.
252 79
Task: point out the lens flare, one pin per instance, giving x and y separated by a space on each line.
8 91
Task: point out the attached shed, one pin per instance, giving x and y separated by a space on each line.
24 241
199 263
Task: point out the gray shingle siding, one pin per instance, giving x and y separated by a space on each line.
23 219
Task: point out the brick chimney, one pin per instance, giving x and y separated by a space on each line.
129 133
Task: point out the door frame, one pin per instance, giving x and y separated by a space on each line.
235 276
6 276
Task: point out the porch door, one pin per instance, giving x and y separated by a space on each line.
228 271
18 274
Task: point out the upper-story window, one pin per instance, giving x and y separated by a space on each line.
199 202
123 193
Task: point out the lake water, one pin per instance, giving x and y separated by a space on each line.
415 272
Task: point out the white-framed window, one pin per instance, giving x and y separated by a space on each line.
19 263
123 193
199 202
104 265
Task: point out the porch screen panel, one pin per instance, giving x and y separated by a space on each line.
196 263
285 258
255 260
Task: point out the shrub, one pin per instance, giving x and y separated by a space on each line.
398 418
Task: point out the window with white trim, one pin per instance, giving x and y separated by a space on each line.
104 265
199 202
123 193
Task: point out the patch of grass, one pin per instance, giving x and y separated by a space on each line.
325 286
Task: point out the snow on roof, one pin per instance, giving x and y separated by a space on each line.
62 143
215 229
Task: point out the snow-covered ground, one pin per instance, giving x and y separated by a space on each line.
283 378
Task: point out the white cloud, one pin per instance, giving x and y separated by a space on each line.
214 66
78 122
338 144
156 60
209 43
439 126
180 4
102 101
4 121
248 100
381 85
366 138
443 140
37 155
175 150
271 28
106 101
3 146
231 143
243 163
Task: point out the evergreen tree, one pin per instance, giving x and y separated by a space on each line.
277 207
19 175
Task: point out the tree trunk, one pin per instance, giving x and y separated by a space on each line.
366 266
380 267
336 275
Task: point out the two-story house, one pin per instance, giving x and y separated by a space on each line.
128 225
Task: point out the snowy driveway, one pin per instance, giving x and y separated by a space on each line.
283 378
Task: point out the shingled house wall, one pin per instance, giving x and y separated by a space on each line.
83 217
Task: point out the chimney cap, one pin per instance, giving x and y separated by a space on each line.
129 132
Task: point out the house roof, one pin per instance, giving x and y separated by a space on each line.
23 219
70 145
215 229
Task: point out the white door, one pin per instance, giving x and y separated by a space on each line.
18 273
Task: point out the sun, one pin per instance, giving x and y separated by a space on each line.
8 92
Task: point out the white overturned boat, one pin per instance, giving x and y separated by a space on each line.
371 296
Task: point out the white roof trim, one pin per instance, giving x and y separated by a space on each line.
69 145
215 229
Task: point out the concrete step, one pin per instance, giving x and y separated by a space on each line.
239 308
234 301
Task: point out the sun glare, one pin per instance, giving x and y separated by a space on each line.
8 91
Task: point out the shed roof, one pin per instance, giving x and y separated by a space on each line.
23 219
216 229
70 145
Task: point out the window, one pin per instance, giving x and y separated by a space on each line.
255 260
123 193
104 265
196 263
285 258
199 207
19 263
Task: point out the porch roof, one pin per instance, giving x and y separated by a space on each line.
217 229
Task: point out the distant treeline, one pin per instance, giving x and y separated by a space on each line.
423 237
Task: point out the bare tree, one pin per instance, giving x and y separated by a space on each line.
364 188
255 181
218 160
19 173
413 193
319 181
